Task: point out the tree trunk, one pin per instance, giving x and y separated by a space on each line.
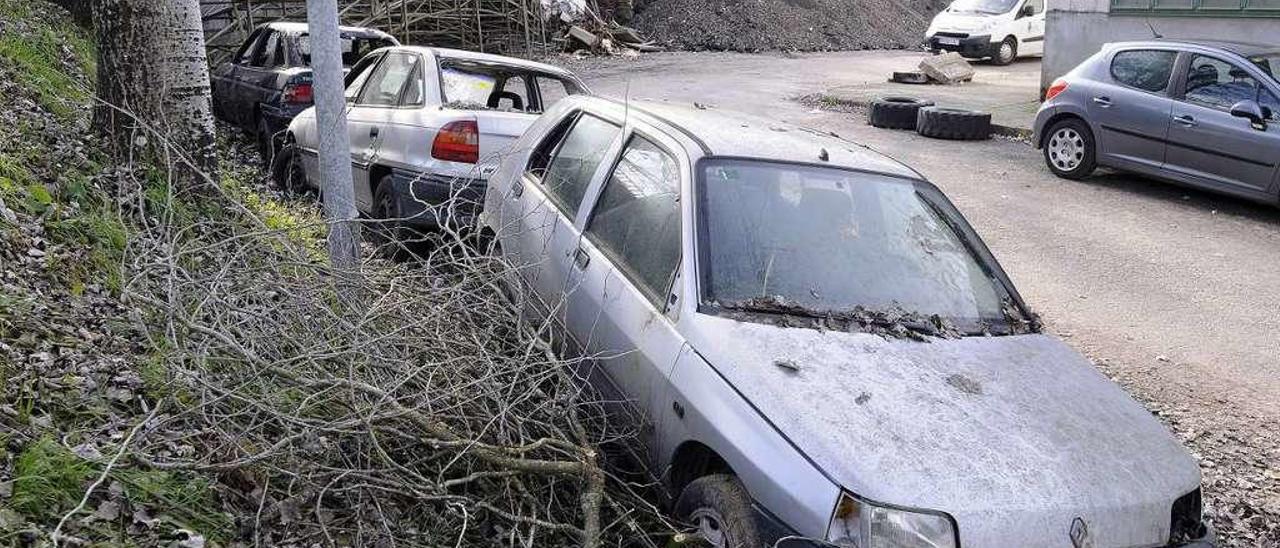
154 82
335 144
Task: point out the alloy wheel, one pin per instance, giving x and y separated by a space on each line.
1066 149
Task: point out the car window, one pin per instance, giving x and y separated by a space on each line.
541 156
823 240
576 160
514 95
353 49
359 75
1215 83
263 56
637 218
387 81
551 90
413 88
276 58
1144 69
1269 102
1037 4
475 86
245 55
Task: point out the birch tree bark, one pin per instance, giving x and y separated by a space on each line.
335 145
153 81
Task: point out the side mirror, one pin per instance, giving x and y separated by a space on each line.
1028 10
1251 111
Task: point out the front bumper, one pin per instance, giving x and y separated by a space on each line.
429 201
973 46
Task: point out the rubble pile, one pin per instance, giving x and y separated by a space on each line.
799 25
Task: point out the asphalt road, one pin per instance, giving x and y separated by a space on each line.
1175 293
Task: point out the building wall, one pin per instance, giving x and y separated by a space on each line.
1076 29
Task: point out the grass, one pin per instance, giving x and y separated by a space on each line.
48 480
39 59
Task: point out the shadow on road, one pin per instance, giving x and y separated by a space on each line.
1186 196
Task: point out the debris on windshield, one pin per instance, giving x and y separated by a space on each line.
965 384
788 364
466 105
891 323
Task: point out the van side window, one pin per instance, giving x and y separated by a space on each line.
575 162
637 218
1144 69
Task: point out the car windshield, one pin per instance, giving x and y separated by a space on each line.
353 49
983 6
1269 63
818 241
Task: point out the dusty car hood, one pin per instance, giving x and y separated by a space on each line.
1014 436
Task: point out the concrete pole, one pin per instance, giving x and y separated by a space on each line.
335 144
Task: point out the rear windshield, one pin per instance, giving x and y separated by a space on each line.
353 49
482 86
820 241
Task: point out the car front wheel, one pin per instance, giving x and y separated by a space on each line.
1069 149
719 509
1006 52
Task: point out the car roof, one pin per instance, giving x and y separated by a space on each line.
298 27
477 57
1243 49
730 134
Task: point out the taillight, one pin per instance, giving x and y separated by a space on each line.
298 93
457 141
1055 89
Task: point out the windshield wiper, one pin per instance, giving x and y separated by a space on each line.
894 322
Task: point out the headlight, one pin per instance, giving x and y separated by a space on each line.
861 524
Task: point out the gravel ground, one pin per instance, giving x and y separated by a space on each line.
1173 293
803 25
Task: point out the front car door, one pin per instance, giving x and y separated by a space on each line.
1207 145
619 286
223 80
1130 113
1033 37
255 81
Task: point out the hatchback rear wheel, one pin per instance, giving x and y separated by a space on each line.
1069 149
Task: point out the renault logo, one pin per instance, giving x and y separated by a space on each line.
1080 534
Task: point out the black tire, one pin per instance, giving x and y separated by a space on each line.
387 232
719 506
1006 52
915 77
287 172
953 123
896 112
1069 148
266 144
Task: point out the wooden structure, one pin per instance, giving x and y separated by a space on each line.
497 26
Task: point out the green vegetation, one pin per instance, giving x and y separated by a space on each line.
47 59
48 480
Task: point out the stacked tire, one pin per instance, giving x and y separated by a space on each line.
896 112
953 123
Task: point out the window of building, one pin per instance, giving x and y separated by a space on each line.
1206 8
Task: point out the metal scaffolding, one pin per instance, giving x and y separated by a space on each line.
500 26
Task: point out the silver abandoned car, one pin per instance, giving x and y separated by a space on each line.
819 347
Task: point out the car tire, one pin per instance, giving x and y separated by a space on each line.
1070 150
388 233
287 172
266 146
720 509
953 123
896 112
1006 52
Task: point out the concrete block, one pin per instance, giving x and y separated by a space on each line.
948 68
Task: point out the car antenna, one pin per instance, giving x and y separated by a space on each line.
626 103
1154 34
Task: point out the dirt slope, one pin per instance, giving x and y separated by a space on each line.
803 25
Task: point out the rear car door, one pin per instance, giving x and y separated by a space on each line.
374 108
549 195
256 80
1130 113
620 276
1210 147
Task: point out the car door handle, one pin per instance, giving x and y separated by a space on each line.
517 190
581 259
1103 101
1185 120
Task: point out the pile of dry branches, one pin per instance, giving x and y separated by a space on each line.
397 405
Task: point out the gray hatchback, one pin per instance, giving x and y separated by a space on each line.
1198 113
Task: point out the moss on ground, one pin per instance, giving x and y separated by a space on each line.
47 58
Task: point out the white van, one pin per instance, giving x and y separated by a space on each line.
1001 30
